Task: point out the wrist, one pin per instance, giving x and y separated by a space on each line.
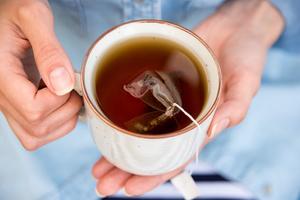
266 23
256 18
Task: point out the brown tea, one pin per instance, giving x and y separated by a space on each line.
166 62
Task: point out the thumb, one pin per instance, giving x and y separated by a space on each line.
239 92
37 23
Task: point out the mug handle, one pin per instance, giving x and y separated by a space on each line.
78 89
183 182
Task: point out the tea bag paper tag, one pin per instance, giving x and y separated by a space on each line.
185 184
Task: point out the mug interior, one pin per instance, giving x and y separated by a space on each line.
152 28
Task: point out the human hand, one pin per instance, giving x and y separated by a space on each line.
29 50
239 33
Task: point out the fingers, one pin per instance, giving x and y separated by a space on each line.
138 185
23 95
32 143
38 111
101 167
238 93
37 116
36 22
57 118
112 181
60 131
46 127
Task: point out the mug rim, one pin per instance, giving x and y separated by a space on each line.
150 136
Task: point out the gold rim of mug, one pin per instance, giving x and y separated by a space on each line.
150 136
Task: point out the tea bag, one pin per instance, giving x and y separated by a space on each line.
157 90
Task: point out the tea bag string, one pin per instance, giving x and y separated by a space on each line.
197 134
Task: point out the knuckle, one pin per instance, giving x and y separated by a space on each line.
253 79
240 117
24 12
34 117
48 54
73 124
40 131
30 144
32 10
240 114
256 85
8 60
95 171
32 114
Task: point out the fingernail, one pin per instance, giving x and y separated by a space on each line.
125 192
219 127
61 81
99 194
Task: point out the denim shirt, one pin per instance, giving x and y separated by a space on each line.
262 152
289 9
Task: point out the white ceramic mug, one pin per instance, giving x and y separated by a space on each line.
149 154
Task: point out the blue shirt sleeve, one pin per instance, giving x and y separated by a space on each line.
290 9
